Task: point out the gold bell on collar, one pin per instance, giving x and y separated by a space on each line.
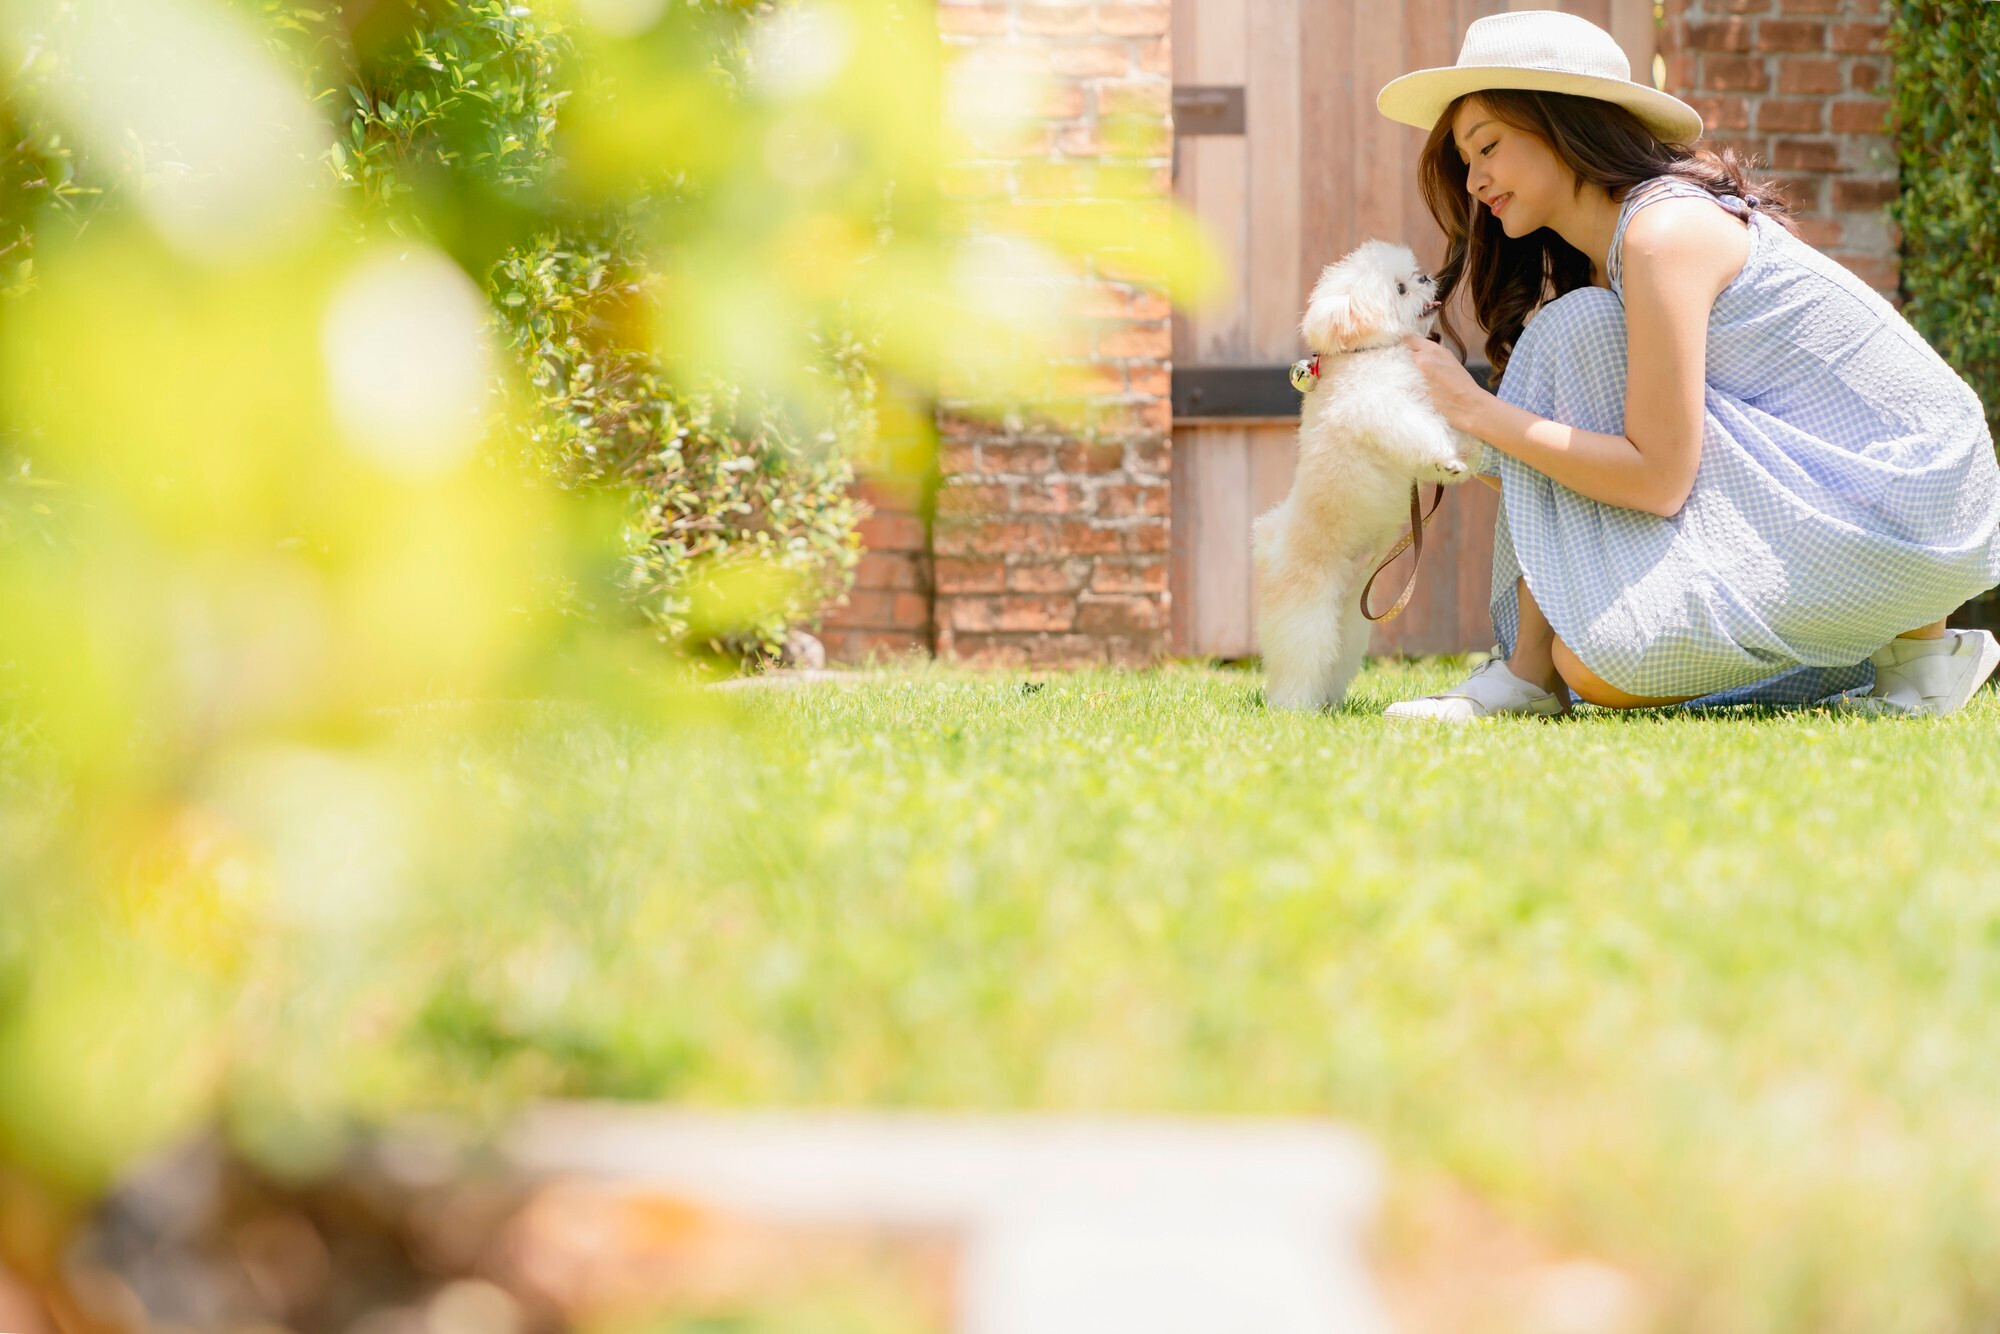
1305 374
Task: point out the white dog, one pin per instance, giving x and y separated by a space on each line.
1366 431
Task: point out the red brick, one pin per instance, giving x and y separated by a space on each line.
1048 576
961 425
1001 456
1082 538
1854 196
1147 417
956 575
1811 6
1807 193
1809 74
1094 60
1073 380
1043 497
1141 576
957 456
1155 57
1150 305
1055 20
890 493
1134 20
1820 233
1156 381
984 651
888 570
1879 272
1136 340
1013 611
870 607
1080 457
1740 6
1680 71
1148 538
1723 111
959 496
1858 38
1118 615
1791 35
1804 115
1861 116
1155 457
1124 500
1721 35
859 646
1805 155
912 611
955 19
892 532
1865 76
1133 97
1733 74
979 535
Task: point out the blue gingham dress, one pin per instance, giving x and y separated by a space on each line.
1847 488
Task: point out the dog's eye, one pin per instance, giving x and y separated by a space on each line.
1402 290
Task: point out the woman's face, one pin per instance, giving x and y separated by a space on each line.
1508 167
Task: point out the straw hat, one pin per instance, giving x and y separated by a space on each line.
1542 49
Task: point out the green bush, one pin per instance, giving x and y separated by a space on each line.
1945 102
445 116
715 486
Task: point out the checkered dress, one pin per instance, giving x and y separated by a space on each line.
1847 489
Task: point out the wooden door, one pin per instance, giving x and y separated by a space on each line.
1281 152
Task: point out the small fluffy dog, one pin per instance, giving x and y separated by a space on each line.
1366 431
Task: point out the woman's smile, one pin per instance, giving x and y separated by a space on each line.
1501 203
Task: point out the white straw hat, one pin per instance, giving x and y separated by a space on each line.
1542 49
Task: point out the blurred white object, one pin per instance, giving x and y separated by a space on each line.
1071 1225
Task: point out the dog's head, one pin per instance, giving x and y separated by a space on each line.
1372 297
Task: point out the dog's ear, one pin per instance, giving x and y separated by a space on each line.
1337 320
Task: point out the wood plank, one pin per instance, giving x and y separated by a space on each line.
1221 576
1273 453
1383 162
1185 41
1326 138
1219 333
1276 300
1631 22
1182 546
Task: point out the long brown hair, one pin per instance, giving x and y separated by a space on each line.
1602 143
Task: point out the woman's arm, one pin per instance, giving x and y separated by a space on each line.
1609 468
1679 254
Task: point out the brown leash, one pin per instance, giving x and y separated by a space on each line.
1416 535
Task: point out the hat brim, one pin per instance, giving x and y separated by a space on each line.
1420 97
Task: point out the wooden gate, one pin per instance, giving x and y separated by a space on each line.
1280 150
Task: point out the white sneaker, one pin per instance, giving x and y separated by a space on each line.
1491 689
1931 677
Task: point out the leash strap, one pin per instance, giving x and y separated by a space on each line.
1416 535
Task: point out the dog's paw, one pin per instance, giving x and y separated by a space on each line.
1449 470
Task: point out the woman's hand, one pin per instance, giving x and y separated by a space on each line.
1454 393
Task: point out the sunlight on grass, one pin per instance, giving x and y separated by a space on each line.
1711 996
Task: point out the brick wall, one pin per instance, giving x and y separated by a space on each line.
1052 524
888 612
1804 85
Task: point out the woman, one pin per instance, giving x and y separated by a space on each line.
1805 489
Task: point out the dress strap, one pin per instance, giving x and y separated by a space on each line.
1645 192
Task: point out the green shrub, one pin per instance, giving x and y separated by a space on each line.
1945 102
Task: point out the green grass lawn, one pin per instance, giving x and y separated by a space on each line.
1712 998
